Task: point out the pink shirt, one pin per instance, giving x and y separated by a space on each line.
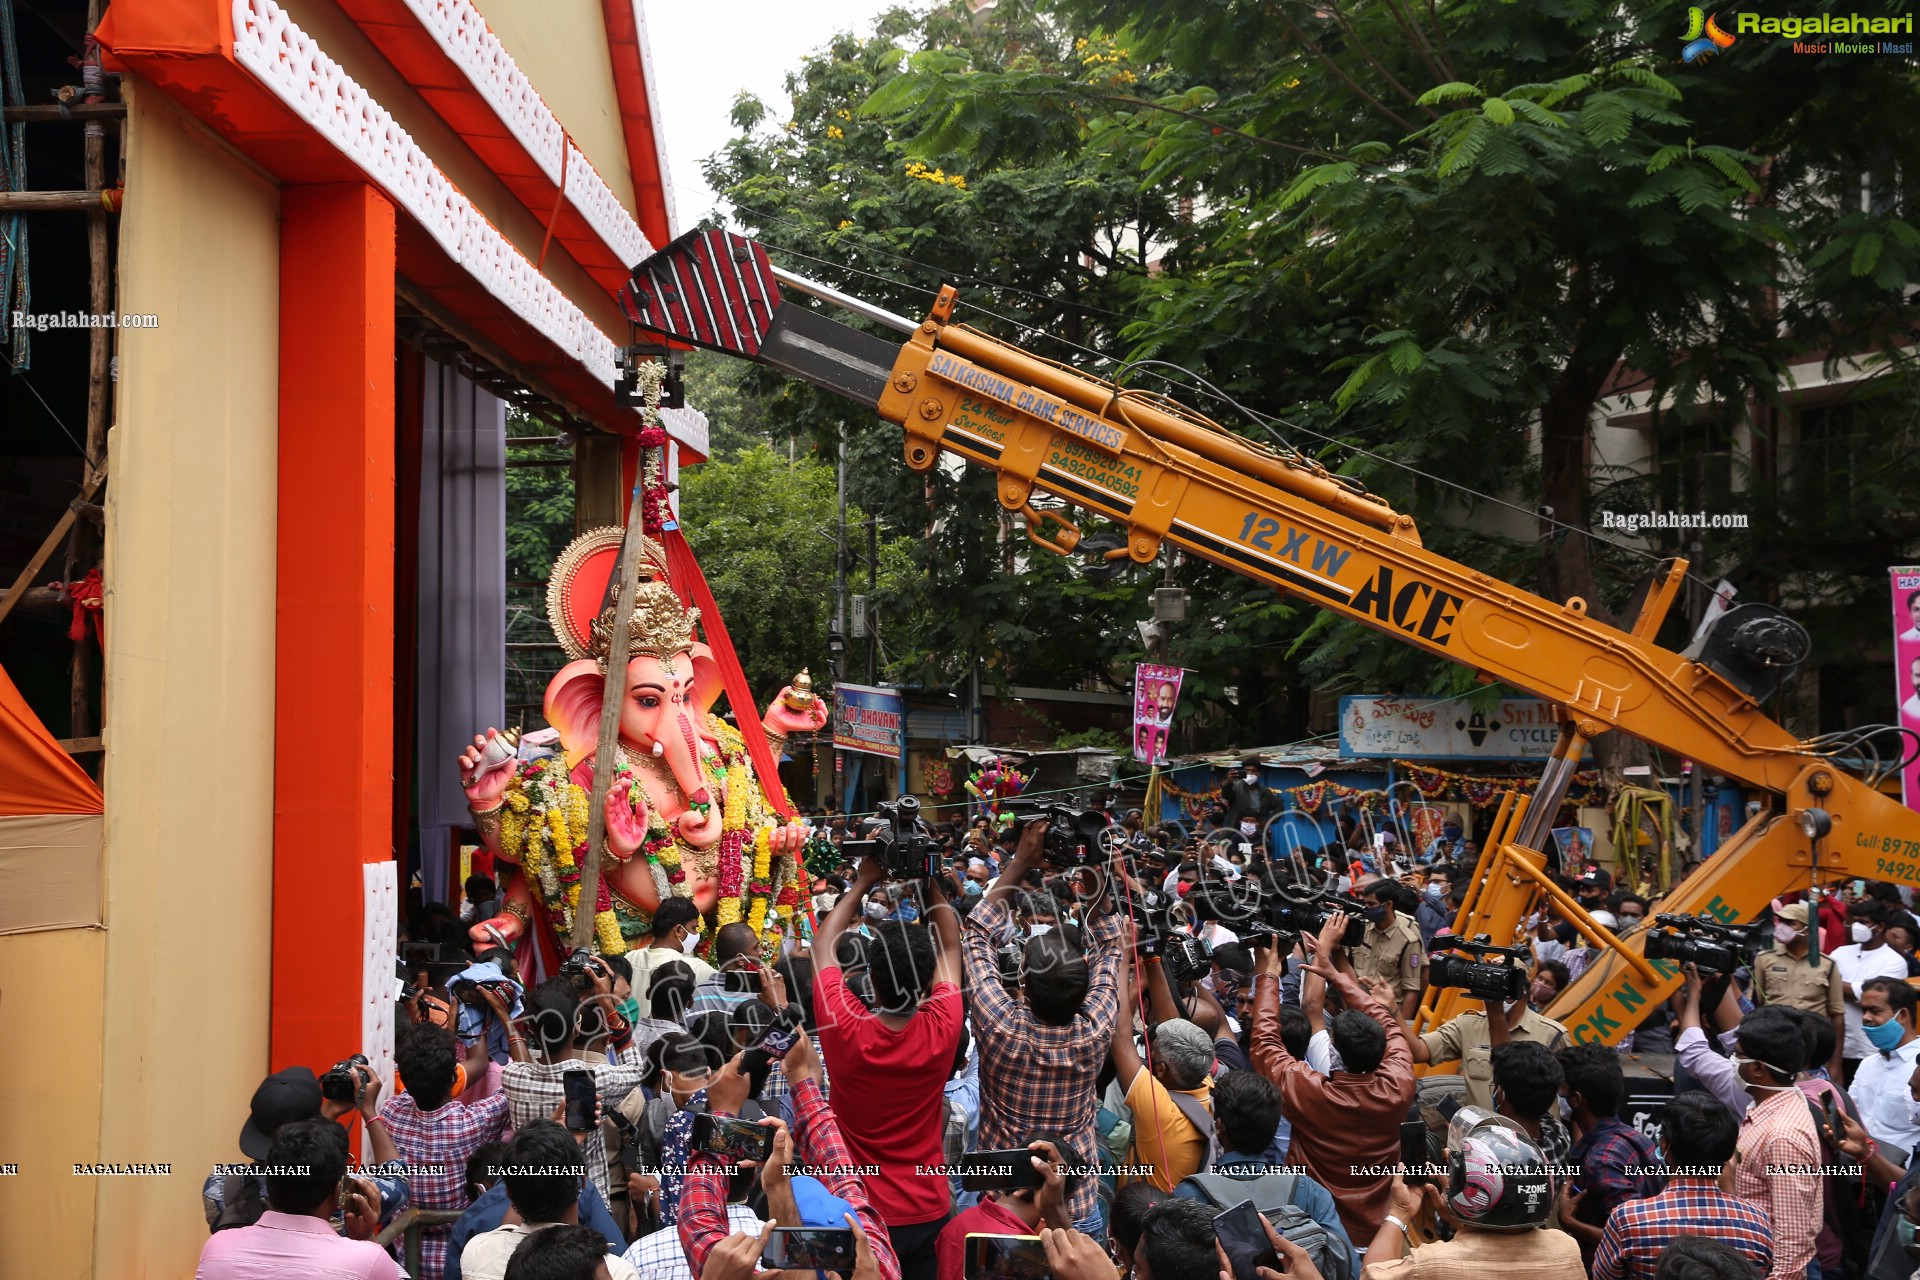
286 1244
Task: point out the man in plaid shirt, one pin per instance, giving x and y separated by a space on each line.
571 1036
703 1219
1614 1157
1698 1135
1040 1055
1780 1152
435 1134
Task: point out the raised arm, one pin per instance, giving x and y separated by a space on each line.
826 936
945 923
824 1151
1026 856
1126 1058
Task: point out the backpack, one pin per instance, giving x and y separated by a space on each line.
1272 1195
1200 1118
243 1198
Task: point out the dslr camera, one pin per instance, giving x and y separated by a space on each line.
1185 957
1702 941
579 969
901 839
1073 835
342 1083
1481 978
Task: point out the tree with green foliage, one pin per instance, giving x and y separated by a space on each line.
763 530
1431 246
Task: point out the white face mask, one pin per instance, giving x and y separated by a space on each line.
689 943
1037 930
1248 828
1861 931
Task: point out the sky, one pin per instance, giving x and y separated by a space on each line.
706 51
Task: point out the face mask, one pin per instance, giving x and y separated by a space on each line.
1374 914
1861 931
1252 779
1906 1230
1248 828
1435 892
1887 1036
1039 930
971 888
689 943
1739 1061
630 1010
1784 933
877 911
1542 993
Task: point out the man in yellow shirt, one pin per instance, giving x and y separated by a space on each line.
1171 1103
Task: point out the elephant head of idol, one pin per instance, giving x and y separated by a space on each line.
670 685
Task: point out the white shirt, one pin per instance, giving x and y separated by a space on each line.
1322 1056
1879 1089
1911 707
1858 967
487 1254
660 1256
645 962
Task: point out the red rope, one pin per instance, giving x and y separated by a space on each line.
559 194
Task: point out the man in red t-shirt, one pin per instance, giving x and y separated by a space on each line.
1012 1213
889 1064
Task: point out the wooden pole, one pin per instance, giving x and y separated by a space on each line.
18 590
61 201
77 111
610 701
83 543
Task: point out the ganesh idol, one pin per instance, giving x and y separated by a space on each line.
685 815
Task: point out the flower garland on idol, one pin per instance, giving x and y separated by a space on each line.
544 819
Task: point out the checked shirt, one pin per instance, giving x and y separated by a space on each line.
1640 1230
819 1148
1034 1076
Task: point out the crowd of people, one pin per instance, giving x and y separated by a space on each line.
1051 1059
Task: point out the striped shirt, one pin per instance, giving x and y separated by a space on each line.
1640 1230
1779 1161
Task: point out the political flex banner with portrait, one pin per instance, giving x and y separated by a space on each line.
1156 692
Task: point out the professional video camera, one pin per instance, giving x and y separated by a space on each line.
1702 941
1301 911
901 839
1185 957
1073 835
1479 977
1008 958
342 1083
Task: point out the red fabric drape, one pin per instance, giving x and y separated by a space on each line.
36 776
692 587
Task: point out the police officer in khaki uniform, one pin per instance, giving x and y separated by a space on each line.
1781 974
1391 952
1468 1040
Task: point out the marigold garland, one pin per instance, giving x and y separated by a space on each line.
1434 784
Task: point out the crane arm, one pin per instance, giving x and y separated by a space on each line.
1168 475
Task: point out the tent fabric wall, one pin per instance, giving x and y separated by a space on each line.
36 775
462 654
50 872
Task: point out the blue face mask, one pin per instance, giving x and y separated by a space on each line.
971 889
1887 1036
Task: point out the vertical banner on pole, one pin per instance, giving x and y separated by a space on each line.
1906 663
1156 692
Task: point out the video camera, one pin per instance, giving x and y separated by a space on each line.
1702 941
342 1083
901 839
1479 977
1299 911
1073 835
